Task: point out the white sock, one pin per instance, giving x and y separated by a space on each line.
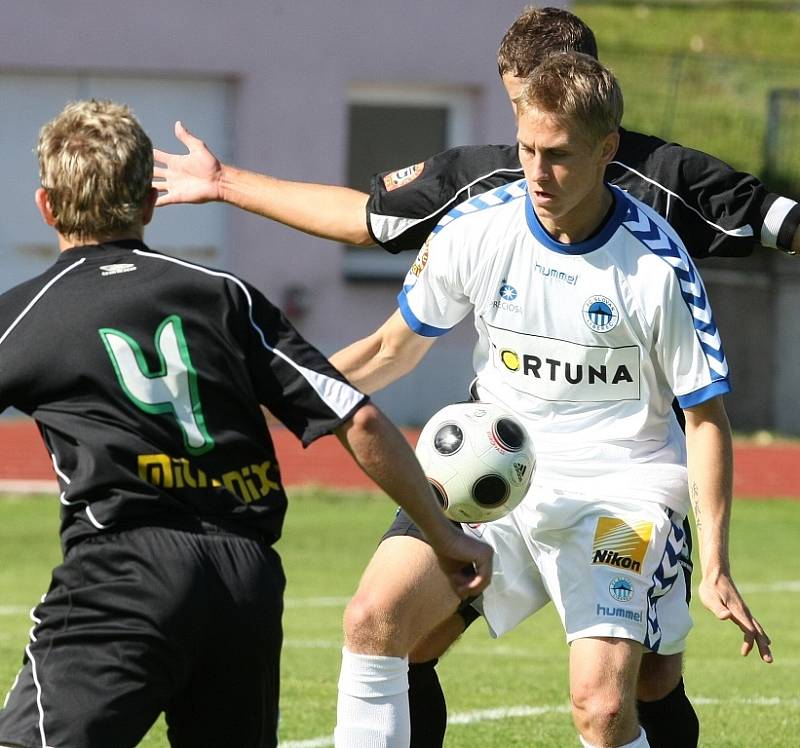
372 711
640 742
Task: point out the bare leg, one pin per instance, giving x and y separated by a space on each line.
658 675
665 711
603 677
402 596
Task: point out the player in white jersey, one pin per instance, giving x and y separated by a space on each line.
590 318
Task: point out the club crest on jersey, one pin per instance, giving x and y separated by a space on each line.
600 313
401 177
621 589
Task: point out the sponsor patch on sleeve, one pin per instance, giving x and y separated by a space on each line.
422 259
401 177
619 544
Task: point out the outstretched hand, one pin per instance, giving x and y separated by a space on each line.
722 598
191 178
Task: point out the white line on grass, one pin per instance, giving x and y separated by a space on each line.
509 712
790 585
315 602
12 610
787 585
290 602
311 644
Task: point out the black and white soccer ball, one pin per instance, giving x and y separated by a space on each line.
478 459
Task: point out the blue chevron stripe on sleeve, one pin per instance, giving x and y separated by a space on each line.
494 197
658 241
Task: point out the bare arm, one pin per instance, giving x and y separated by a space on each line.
710 461
385 456
328 211
381 358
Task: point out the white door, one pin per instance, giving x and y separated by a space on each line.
27 246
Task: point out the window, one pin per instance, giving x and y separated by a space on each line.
392 127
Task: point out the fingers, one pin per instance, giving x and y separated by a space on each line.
468 583
762 641
478 573
189 140
727 604
162 157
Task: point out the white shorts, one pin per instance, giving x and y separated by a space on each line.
611 568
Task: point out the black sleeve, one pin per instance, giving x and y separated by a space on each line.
405 205
716 210
298 385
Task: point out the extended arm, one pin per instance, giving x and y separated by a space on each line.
389 353
330 212
710 461
385 456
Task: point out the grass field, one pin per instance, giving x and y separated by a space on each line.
510 692
700 72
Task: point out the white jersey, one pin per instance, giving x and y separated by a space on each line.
587 342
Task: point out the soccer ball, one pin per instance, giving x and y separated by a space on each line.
478 459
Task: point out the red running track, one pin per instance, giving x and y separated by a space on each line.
760 471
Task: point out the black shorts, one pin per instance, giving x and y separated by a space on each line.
154 620
403 525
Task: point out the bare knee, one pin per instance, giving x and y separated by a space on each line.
373 626
598 712
603 673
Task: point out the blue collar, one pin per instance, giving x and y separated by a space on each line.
597 240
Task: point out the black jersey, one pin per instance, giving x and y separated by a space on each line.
716 210
146 374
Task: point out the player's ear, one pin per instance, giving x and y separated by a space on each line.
148 206
43 204
609 147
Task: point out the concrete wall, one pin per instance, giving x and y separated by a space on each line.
289 65
287 68
756 303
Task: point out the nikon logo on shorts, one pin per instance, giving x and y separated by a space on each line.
619 544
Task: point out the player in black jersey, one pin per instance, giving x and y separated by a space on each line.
146 375
717 211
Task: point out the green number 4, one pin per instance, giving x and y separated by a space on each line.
173 389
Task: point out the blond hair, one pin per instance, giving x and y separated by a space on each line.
96 165
539 32
576 88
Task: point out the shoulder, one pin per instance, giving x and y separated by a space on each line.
657 244
487 208
478 160
200 273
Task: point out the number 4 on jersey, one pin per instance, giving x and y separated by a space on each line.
173 389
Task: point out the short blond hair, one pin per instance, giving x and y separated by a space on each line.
96 165
576 88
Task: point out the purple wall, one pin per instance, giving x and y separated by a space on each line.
291 64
